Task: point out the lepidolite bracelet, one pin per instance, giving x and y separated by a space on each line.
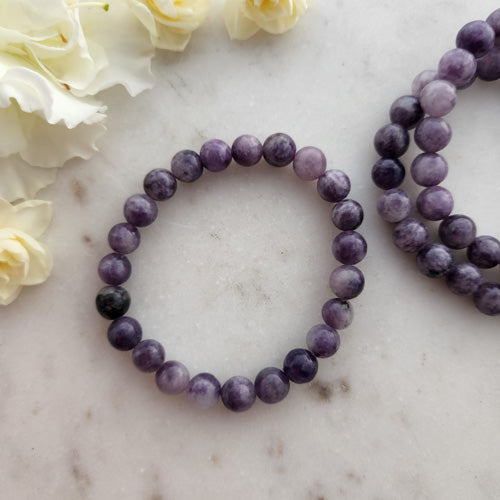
434 95
271 384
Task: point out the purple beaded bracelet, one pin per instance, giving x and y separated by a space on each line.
271 384
477 54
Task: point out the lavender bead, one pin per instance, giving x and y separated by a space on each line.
114 269
458 66
172 377
334 185
432 134
148 355
247 150
337 313
429 169
215 155
478 37
464 278
349 247
484 251
457 231
438 98
203 391
124 333
406 111
271 385
391 141
394 205
323 341
238 394
140 210
410 235
112 301
347 215
434 260
309 163
487 298
435 203
279 150
488 67
186 166
421 80
300 366
494 21
388 173
347 282
160 184
124 238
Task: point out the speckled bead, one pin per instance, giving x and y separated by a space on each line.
458 66
347 282
487 298
247 150
438 98
429 169
347 215
215 155
349 247
388 173
484 251
333 185
140 210
394 205
410 235
148 355
271 385
488 67
432 134
203 391
421 80
434 260
464 278
337 313
406 111
238 394
477 37
300 366
309 163
435 203
160 184
172 377
112 301
323 341
457 231
279 150
124 333
124 238
391 141
186 166
114 269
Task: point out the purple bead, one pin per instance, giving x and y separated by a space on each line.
406 111
347 215
434 260
309 163
484 251
334 185
464 278
279 150
478 37
271 385
247 150
238 394
429 169
148 355
432 134
349 247
388 173
124 238
215 155
172 377
494 21
421 80
140 210
112 302
394 205
337 313
410 235
203 391
347 282
457 231
114 269
124 333
160 184
391 141
438 98
435 203
488 67
458 66
323 341
487 298
300 366
186 166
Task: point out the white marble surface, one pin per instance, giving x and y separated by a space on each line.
235 272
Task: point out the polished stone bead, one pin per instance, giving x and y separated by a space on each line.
435 203
432 134
457 231
429 169
247 150
347 215
438 98
394 205
172 377
494 21
238 394
300 366
309 163
271 385
421 80
391 141
112 301
488 67
347 282
160 184
114 269
487 298
458 66
203 391
478 37
349 247
333 186
140 210
215 155
388 173
464 278
406 111
484 251
279 150
148 355
434 260
337 313
124 238
186 166
124 333
323 341
410 235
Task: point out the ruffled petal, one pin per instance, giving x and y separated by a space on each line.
33 217
238 26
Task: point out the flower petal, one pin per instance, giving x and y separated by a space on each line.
238 26
33 217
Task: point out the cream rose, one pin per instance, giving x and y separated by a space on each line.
245 17
23 259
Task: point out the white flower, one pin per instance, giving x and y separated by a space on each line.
23 259
170 22
245 17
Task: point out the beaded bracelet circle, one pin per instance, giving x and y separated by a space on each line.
434 94
300 365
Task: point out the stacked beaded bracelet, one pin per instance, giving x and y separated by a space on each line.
271 384
434 95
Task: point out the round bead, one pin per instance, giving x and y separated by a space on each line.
494 21
349 247
478 37
271 385
247 150
458 66
300 366
488 67
432 134
429 169
323 341
172 377
464 278
279 150
215 155
148 355
410 235
438 98
347 215
421 80
391 141
114 269
309 163
457 231
406 111
484 251
333 185
487 298
434 260
203 391
388 173
140 210
435 203
394 205
124 238
238 394
112 301
337 313
347 282
160 184
186 166
124 333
